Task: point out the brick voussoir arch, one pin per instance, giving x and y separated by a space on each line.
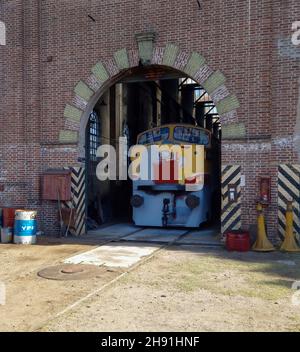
108 71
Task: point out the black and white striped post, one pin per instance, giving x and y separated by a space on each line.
288 190
231 208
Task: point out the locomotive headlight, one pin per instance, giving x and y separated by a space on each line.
192 201
137 201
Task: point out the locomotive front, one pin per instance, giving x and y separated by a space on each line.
179 186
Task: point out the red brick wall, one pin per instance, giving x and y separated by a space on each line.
51 45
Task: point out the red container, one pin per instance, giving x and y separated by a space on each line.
8 217
238 241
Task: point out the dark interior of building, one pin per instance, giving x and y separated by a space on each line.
145 98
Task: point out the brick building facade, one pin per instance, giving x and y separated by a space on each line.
60 56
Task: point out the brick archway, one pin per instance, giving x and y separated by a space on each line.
108 71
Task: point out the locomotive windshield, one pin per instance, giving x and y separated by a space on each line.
155 135
175 134
192 135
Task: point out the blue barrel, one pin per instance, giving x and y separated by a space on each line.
25 227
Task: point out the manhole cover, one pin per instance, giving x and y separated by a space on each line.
71 272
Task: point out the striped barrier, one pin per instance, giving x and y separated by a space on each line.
288 190
77 203
231 210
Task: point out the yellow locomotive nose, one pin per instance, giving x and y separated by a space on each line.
180 189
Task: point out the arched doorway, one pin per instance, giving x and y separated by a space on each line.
110 70
142 98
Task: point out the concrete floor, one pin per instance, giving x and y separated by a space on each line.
113 232
132 233
209 237
156 235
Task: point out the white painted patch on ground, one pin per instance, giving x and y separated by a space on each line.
156 235
114 255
